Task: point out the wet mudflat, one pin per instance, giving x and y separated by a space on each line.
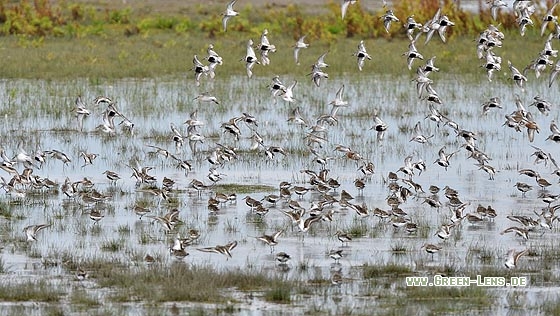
86 228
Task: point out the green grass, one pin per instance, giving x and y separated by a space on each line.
243 188
473 294
552 307
124 229
6 210
82 299
198 284
3 267
399 248
113 245
122 42
39 291
358 228
116 57
279 293
385 270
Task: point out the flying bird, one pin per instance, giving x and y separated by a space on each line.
362 55
344 6
229 13
250 58
299 45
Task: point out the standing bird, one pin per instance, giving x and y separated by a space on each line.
229 13
431 248
343 237
282 258
361 54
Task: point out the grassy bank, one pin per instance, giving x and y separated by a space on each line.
62 40
170 54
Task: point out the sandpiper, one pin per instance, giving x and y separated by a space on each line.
517 76
32 230
495 6
431 249
206 97
410 26
299 45
387 18
305 224
300 191
418 136
266 48
271 240
343 237
543 183
513 256
96 216
412 54
219 249
282 258
540 155
250 58
81 112
213 57
229 13
522 232
141 211
112 176
362 55
335 255
443 159
199 70
88 158
554 74
494 102
444 231
344 6
81 274
339 99
317 74
252 203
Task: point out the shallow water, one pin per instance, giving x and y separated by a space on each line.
39 115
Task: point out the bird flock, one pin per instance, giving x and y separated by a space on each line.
315 197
